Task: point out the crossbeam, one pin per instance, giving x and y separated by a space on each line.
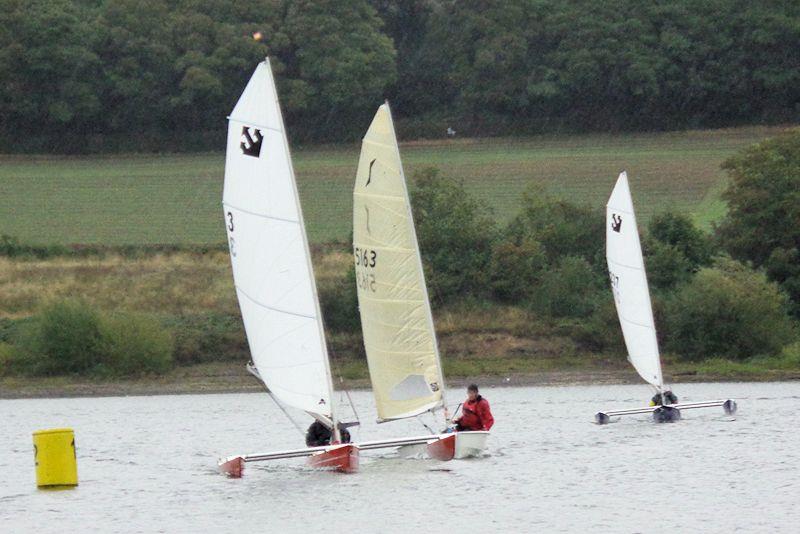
728 405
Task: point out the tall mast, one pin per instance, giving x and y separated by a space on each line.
323 343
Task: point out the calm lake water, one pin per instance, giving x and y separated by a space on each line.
148 464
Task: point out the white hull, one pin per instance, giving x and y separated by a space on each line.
470 444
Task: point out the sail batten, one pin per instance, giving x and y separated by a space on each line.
396 319
269 252
629 284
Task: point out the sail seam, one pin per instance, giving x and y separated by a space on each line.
638 324
262 305
270 128
620 264
618 210
262 215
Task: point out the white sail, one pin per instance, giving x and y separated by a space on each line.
396 318
269 252
629 284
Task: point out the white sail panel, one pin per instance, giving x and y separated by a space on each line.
269 252
629 284
396 319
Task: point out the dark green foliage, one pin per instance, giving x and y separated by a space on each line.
729 312
208 337
783 266
71 337
601 330
162 74
678 231
65 338
455 233
570 289
562 228
666 265
11 247
133 344
516 269
339 302
763 221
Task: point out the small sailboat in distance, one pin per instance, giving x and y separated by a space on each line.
628 278
396 319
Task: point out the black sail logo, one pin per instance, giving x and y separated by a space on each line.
369 177
251 144
616 222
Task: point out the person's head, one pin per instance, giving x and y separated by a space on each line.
472 392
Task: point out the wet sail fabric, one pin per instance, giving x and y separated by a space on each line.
629 284
269 252
396 319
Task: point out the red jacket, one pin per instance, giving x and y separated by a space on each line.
476 415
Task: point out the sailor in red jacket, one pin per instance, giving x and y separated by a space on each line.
475 412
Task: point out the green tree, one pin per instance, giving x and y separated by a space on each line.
338 65
570 289
562 228
762 224
517 267
666 265
730 312
679 231
49 70
455 233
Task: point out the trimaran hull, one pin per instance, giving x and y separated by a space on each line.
666 414
344 458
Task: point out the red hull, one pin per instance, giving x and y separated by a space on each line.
443 449
234 467
341 458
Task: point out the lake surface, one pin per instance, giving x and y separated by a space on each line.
148 464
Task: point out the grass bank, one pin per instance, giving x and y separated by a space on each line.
193 294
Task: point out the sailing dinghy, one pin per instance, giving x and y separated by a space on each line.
632 298
399 337
274 278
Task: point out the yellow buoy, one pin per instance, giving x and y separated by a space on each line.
55 457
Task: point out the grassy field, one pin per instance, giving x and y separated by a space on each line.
175 199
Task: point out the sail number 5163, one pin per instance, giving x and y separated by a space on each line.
365 257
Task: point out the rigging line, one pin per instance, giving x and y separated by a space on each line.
333 362
289 417
349 399
423 423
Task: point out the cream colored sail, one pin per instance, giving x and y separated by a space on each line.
396 319
269 253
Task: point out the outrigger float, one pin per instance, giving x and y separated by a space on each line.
632 299
277 293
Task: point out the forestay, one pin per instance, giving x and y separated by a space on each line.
269 252
629 284
396 319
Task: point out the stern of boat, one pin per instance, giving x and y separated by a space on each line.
342 458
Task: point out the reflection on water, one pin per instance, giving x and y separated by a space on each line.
149 464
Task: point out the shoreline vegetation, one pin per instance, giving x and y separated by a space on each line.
518 286
232 377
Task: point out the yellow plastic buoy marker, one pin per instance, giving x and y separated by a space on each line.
55 457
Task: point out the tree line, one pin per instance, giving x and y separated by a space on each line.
88 75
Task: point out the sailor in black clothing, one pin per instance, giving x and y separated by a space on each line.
669 396
319 435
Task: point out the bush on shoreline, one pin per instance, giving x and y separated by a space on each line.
71 337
